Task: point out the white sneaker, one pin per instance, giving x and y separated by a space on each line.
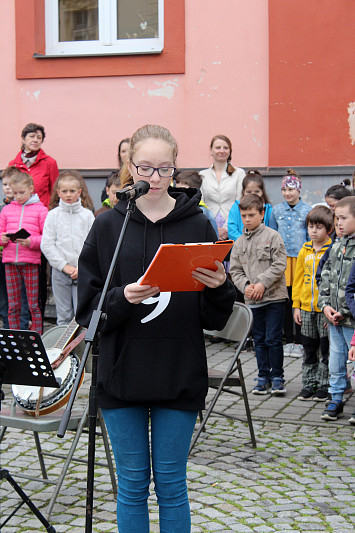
288 348
298 351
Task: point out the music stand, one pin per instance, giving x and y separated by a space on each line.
23 361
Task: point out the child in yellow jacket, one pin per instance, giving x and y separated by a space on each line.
315 374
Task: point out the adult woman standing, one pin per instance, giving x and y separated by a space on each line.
32 159
44 172
152 362
221 183
122 156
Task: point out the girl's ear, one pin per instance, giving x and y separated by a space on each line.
80 191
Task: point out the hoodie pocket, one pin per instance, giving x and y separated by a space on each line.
159 369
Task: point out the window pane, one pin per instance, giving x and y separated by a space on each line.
78 20
137 19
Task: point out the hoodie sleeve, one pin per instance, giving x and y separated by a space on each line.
91 281
48 246
298 280
217 305
41 218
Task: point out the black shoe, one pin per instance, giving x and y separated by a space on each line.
321 395
333 410
215 339
306 394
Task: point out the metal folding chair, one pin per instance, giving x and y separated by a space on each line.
237 329
14 417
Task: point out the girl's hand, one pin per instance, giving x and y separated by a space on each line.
4 238
70 270
222 234
211 278
74 274
24 242
135 293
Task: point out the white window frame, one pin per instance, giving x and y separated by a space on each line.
107 44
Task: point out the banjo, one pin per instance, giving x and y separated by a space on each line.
38 401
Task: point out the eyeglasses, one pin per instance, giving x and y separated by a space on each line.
147 172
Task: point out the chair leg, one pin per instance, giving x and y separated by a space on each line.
2 433
246 402
108 452
208 412
67 461
40 455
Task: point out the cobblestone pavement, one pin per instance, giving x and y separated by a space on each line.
299 479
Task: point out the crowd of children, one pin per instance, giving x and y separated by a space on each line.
291 263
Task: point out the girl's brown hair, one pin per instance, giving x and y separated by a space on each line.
230 167
72 175
21 177
149 131
254 176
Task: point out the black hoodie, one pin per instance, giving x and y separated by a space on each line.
152 353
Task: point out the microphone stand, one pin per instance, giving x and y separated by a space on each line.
91 340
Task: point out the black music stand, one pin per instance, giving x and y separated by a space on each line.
23 361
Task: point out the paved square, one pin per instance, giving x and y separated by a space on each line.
299 479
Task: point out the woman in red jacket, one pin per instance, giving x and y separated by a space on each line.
36 162
44 171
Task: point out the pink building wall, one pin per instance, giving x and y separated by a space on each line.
224 90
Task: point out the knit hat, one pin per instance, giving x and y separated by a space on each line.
291 181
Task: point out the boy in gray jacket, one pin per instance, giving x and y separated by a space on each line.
257 267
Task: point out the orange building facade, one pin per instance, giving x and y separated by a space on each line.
276 76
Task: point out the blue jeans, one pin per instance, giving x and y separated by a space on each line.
171 432
339 345
267 335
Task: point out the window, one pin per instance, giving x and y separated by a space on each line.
102 27
32 61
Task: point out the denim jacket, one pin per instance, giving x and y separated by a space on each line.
290 222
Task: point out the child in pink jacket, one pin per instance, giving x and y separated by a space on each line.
22 256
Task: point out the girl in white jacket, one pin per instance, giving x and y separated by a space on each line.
64 233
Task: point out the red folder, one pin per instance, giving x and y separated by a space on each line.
172 266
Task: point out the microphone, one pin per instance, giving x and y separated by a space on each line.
133 192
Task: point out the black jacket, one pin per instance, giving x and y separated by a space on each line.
145 358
